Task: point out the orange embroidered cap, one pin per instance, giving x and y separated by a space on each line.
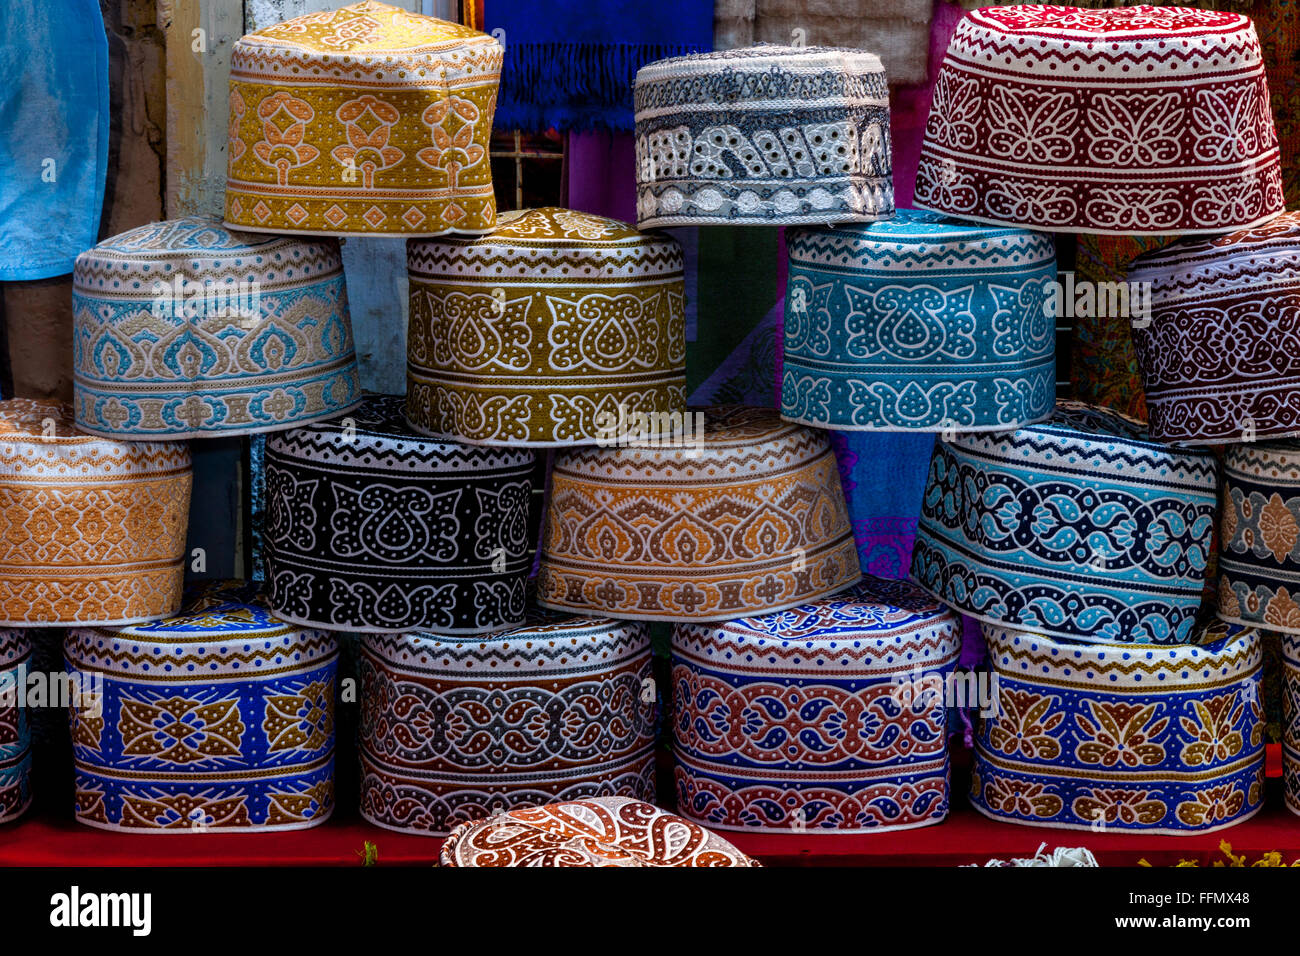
92 530
733 513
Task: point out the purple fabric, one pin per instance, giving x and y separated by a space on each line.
602 174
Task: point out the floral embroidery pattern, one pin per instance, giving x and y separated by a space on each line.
1121 734
1159 739
1177 154
1214 733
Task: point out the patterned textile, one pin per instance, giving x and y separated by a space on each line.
750 519
367 119
54 132
884 475
1138 120
1103 367
455 730
92 531
1080 527
918 323
770 135
184 329
1259 537
220 718
570 66
1220 359
608 831
829 716
372 528
1291 721
1128 737
538 333
15 730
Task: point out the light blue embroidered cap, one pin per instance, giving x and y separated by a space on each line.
918 323
187 329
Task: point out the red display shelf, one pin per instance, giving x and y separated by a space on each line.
44 839
963 838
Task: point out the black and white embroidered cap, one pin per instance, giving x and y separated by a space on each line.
372 528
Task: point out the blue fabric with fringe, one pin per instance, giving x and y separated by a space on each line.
571 65
53 134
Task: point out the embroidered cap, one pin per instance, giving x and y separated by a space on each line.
1136 120
219 718
760 707
1259 536
372 528
1220 351
15 728
184 329
769 135
550 331
1127 737
745 516
1291 721
604 831
454 729
92 530
366 119
1078 527
918 323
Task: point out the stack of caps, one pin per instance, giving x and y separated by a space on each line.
769 135
454 729
220 718
1138 120
1079 527
92 530
184 329
15 729
739 513
1220 351
918 323
370 527
1259 568
367 119
829 717
549 331
1133 737
607 831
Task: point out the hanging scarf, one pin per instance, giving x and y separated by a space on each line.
570 66
53 134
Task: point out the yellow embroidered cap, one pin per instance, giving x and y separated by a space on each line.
368 119
538 333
